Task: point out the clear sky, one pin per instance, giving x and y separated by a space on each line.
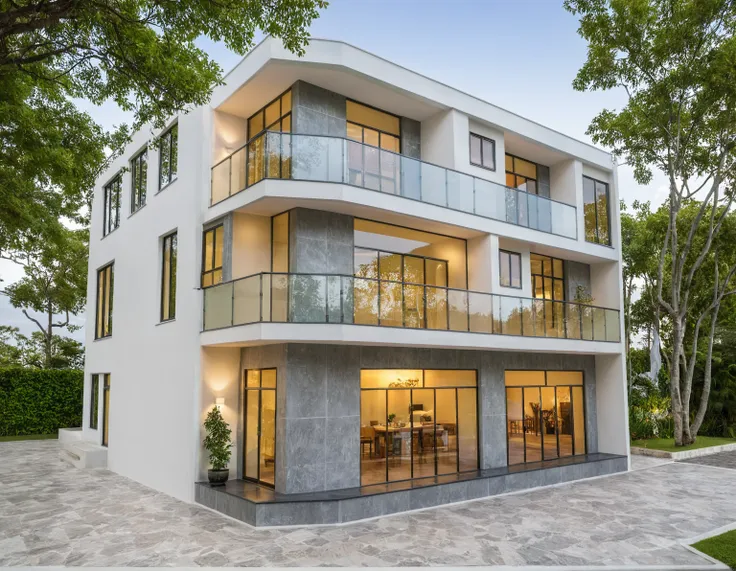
521 55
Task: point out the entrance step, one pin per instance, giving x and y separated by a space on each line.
70 435
82 454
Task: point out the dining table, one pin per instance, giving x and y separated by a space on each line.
389 434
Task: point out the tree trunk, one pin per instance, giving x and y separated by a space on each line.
675 382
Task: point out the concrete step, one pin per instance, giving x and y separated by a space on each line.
81 454
70 434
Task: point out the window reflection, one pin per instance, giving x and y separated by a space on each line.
595 211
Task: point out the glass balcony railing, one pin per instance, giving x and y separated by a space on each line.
333 159
309 298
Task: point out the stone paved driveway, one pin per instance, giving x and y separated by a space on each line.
721 460
51 514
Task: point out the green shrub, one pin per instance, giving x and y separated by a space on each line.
217 441
651 418
36 401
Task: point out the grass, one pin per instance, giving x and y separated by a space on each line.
668 444
29 437
721 547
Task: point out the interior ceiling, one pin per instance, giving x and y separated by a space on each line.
277 76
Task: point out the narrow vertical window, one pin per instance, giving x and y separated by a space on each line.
168 156
482 152
139 180
94 401
280 243
103 326
168 277
595 211
212 241
111 205
509 269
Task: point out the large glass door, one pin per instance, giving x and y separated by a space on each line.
259 406
417 424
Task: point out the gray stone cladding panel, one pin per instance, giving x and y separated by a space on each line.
576 274
317 111
411 138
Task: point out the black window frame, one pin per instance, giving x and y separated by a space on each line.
470 148
551 276
172 238
282 116
509 253
380 132
169 139
105 408
138 182
244 404
214 268
515 173
607 186
99 305
110 210
94 401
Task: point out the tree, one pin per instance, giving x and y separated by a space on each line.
54 283
17 350
675 61
141 54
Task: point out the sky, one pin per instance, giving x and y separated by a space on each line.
521 55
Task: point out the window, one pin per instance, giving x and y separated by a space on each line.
521 174
276 116
417 424
548 277
545 415
139 180
373 127
212 241
168 277
111 206
168 156
482 152
595 210
94 401
280 243
103 326
510 269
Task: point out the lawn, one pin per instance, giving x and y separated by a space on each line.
721 547
668 444
29 437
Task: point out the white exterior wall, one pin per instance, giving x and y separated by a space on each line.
164 377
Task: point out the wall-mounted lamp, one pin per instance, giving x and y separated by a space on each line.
219 403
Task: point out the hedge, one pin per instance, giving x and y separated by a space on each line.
34 401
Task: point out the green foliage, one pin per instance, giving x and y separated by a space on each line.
668 444
139 54
217 441
39 402
651 418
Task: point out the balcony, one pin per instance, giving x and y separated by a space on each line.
341 299
318 158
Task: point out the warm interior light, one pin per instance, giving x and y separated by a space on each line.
219 403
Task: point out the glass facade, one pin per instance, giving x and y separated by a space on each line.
111 205
168 277
168 156
139 180
373 131
106 409
545 415
94 401
417 423
259 406
509 269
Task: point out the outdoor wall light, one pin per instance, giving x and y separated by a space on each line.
219 403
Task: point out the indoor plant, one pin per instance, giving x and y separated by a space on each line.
217 443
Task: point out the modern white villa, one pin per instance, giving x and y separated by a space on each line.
399 296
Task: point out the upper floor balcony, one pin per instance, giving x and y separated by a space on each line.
329 159
271 297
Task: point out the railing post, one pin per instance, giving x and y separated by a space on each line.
424 295
521 318
232 304
327 299
447 194
230 176
260 298
342 303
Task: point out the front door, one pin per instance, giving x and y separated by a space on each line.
260 425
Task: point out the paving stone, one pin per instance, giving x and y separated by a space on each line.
721 460
53 514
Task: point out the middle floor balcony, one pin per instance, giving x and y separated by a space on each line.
376 311
327 159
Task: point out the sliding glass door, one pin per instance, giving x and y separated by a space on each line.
417 424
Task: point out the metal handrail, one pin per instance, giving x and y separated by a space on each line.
263 173
526 307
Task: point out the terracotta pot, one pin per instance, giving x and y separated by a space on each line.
218 477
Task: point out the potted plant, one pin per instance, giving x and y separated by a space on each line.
217 443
